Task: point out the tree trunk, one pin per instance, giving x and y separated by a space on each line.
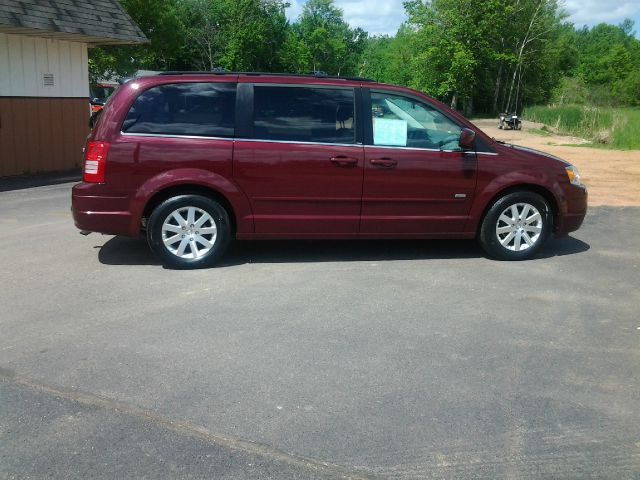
517 100
467 108
496 93
525 41
454 100
507 107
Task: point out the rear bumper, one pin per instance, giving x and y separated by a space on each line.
101 213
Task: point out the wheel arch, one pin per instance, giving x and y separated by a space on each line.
189 189
524 187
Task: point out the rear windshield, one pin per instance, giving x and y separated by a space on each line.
194 109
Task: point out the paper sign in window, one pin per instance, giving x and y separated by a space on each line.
390 132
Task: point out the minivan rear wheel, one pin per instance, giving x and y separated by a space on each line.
516 226
189 231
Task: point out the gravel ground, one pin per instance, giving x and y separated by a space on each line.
613 176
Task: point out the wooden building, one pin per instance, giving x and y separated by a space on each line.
44 79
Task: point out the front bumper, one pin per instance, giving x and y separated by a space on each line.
576 211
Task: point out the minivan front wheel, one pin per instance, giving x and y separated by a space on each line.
516 226
189 231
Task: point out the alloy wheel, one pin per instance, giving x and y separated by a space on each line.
189 232
519 227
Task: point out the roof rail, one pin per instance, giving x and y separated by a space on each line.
222 71
215 71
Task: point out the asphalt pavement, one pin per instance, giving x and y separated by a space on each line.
377 359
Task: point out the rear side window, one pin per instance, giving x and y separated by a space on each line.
198 109
303 114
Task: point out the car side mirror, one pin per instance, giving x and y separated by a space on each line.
467 139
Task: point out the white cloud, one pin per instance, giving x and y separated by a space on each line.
377 18
384 17
294 10
592 12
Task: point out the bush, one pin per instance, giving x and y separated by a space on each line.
571 91
615 127
628 90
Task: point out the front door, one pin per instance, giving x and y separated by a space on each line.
417 180
303 169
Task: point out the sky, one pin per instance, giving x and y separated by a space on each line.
384 17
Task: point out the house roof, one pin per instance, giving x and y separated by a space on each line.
98 22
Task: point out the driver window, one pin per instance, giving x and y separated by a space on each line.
405 122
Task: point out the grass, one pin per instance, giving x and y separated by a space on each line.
605 127
543 132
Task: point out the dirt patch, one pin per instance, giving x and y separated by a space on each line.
613 176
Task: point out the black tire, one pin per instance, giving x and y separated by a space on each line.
220 240
490 239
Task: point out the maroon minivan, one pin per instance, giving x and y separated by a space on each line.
195 159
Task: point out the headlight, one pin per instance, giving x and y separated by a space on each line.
574 176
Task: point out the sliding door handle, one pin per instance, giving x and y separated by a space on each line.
383 162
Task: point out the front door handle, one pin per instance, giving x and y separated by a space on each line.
344 161
384 162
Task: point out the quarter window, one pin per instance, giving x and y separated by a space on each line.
300 114
404 122
198 109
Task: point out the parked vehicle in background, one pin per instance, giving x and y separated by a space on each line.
509 121
100 92
195 160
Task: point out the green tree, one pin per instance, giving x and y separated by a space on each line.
627 91
327 42
295 56
162 21
387 59
452 43
481 56
237 34
106 63
607 57
253 32
488 54
604 54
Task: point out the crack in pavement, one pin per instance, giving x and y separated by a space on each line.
184 428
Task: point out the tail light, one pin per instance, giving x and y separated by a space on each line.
95 160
